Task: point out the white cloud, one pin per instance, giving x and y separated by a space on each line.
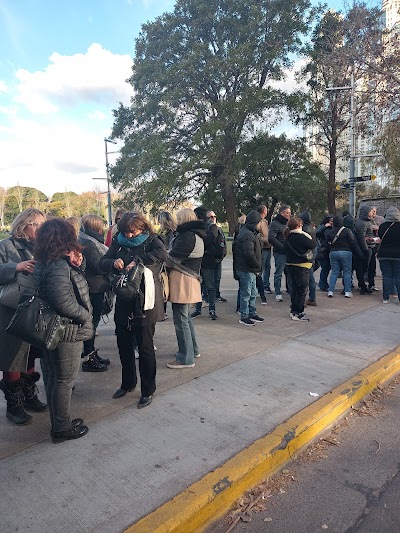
97 76
60 146
3 87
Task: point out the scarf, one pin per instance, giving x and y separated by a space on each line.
299 230
134 241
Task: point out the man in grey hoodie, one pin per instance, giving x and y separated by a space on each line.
364 232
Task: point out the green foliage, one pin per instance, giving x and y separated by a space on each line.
202 75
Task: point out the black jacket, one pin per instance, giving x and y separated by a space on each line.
186 248
276 233
98 281
346 242
152 253
247 247
65 289
208 261
298 243
390 245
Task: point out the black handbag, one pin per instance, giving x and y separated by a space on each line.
35 322
24 285
126 284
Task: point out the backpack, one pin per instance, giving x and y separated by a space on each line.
219 246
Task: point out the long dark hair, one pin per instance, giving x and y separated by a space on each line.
55 238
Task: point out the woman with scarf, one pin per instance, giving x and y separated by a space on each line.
17 359
389 253
91 236
298 248
135 241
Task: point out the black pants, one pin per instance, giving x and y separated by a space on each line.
372 269
299 278
361 266
147 358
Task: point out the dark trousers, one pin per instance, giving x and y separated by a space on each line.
147 358
361 266
299 277
372 269
62 365
97 304
260 285
208 276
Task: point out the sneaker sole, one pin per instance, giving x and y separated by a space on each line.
181 366
244 323
255 320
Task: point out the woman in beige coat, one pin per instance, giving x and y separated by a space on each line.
184 261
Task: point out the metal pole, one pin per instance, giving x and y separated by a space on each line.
108 186
352 169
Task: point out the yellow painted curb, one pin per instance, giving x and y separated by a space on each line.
210 498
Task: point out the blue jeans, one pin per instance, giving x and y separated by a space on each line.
390 269
280 262
323 275
208 276
266 267
62 365
185 334
340 260
312 287
248 293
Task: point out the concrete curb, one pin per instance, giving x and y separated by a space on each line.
210 498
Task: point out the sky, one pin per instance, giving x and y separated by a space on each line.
63 69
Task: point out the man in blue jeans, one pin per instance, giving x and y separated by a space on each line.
276 239
247 263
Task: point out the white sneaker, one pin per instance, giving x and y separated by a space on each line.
136 354
330 294
348 295
197 356
279 298
386 301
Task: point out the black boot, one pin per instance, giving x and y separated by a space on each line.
30 390
100 359
93 364
14 397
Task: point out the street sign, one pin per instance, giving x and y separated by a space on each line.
340 186
370 177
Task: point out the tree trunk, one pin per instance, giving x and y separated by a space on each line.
229 197
332 179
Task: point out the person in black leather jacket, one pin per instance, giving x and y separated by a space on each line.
136 240
62 284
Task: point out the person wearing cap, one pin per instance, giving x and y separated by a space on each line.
247 263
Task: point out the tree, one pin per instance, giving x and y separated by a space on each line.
281 171
3 196
333 57
201 77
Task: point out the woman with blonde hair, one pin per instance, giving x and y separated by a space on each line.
76 223
91 237
184 261
167 227
17 359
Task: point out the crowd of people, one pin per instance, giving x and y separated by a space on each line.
74 270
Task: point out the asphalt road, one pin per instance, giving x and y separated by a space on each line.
353 486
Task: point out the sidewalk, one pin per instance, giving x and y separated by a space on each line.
247 382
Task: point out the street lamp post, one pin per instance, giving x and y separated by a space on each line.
106 152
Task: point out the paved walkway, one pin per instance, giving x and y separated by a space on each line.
247 381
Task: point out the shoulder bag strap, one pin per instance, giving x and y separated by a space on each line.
383 236
337 235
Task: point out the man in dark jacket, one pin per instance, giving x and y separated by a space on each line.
247 263
363 230
208 264
276 239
